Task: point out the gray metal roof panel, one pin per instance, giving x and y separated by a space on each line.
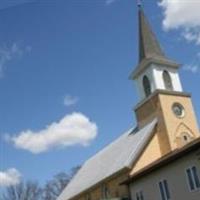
113 158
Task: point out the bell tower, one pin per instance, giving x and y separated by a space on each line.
154 71
161 93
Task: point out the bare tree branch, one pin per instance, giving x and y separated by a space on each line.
23 191
54 187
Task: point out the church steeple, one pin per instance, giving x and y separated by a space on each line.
150 50
148 44
154 71
161 93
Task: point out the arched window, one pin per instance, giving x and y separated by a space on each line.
147 86
105 191
167 80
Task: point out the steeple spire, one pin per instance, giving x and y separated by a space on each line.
139 3
148 44
150 51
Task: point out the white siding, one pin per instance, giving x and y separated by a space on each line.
176 177
158 76
139 81
155 75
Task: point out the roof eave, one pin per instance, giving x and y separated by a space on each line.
121 171
167 159
148 61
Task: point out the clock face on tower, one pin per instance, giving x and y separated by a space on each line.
178 110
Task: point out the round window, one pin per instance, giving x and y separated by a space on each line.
178 110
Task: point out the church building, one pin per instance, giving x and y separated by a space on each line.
159 159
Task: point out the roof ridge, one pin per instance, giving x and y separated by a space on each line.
110 144
145 137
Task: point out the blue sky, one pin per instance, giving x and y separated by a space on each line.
70 60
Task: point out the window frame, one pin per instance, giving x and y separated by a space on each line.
105 191
196 188
88 196
147 87
167 80
139 195
166 191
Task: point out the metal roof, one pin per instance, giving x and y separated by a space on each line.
120 154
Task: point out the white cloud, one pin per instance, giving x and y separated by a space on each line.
183 15
70 100
9 177
9 53
73 129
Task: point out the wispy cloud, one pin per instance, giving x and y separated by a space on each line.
73 129
9 177
70 100
188 23
10 3
194 66
9 53
109 2
192 35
